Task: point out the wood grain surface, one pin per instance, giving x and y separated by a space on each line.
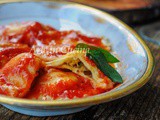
143 104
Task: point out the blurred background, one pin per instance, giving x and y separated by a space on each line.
143 15
130 11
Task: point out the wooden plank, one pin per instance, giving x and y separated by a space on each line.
143 104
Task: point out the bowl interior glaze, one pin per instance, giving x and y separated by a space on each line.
131 51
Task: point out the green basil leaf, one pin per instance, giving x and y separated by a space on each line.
100 60
109 57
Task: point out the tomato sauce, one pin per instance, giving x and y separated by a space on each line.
17 75
35 34
65 89
38 34
7 53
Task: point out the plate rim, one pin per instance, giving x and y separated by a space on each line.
79 102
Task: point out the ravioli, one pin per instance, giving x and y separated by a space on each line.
60 85
8 51
18 74
39 62
78 63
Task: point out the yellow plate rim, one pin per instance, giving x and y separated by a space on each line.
89 100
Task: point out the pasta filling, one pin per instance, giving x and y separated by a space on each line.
81 65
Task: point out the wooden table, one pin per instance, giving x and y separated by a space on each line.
140 105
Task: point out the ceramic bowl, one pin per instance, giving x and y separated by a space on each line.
136 59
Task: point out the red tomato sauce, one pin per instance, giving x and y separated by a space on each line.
15 74
65 89
7 53
36 34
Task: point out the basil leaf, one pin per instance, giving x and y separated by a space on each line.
109 57
100 60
